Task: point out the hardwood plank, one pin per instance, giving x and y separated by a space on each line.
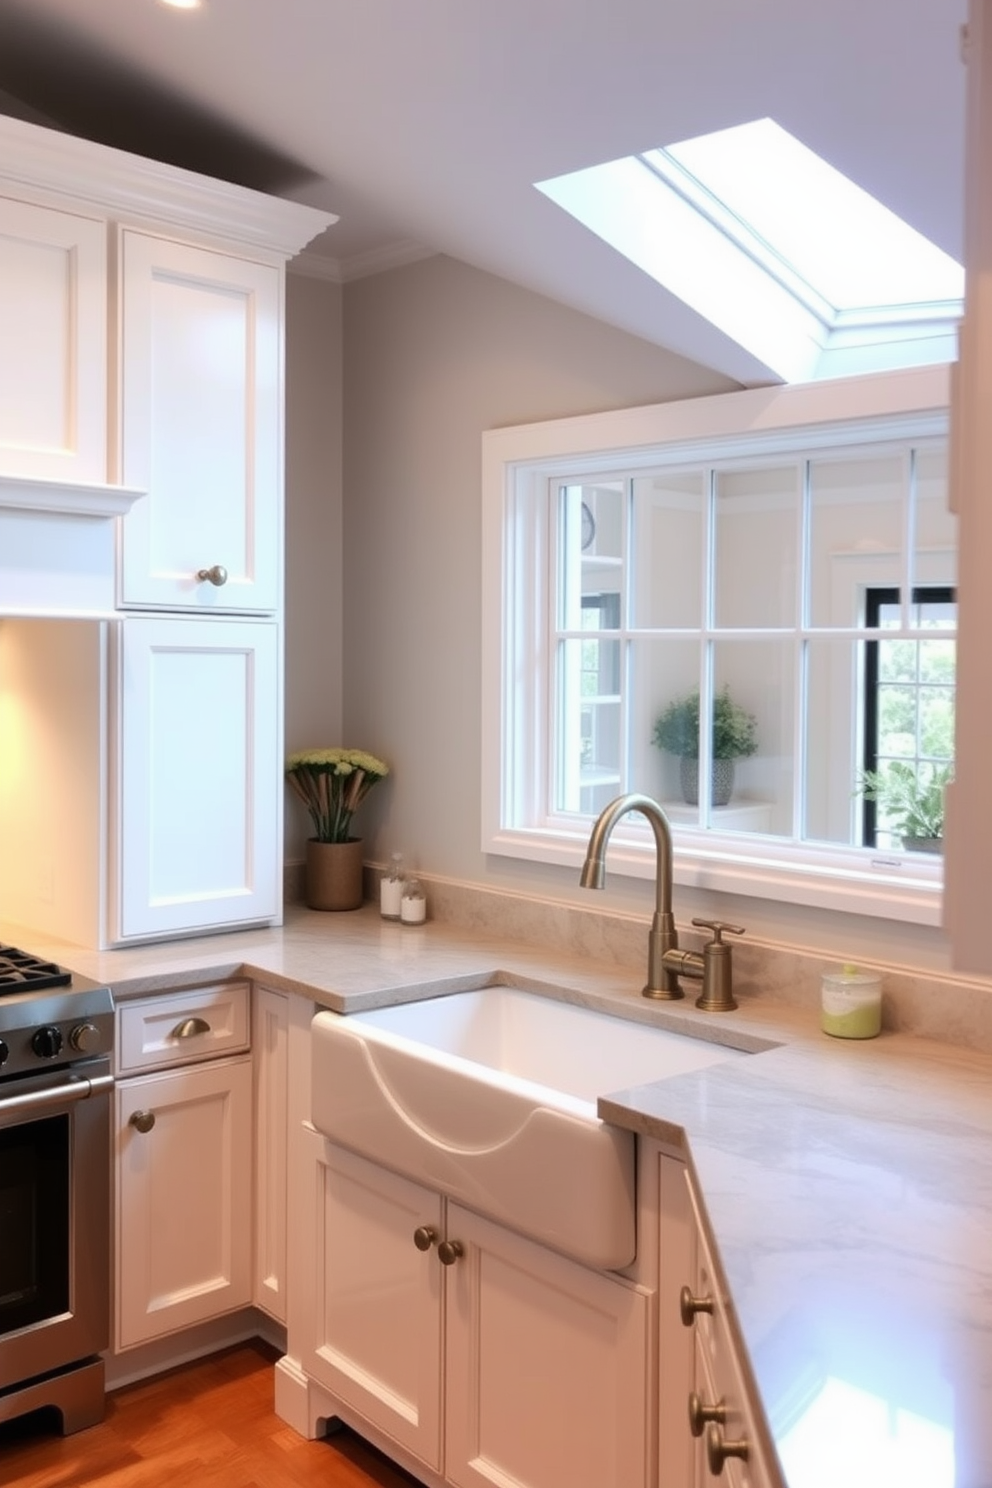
209 1424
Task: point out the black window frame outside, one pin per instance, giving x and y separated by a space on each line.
875 598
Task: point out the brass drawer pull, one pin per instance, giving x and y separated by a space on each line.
700 1414
449 1251
142 1121
718 1450
690 1305
189 1028
424 1237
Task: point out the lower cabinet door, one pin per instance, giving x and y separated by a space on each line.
183 1198
549 1375
377 1313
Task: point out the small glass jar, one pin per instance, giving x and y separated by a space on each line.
851 1002
413 905
391 889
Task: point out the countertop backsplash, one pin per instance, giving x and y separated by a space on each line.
950 1008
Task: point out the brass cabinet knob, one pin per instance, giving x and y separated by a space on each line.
690 1305
189 1028
142 1121
216 575
718 1449
424 1237
449 1251
699 1414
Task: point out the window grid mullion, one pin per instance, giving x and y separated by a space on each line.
801 651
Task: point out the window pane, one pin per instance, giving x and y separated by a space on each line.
588 725
856 533
908 718
909 809
896 660
897 721
590 549
756 520
667 550
937 722
759 679
833 730
935 548
662 672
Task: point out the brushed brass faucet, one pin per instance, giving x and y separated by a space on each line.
666 962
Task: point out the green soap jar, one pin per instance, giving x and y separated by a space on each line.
851 1003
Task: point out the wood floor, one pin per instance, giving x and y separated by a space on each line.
207 1425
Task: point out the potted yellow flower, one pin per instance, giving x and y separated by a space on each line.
332 783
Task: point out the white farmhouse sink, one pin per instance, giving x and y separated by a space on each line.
490 1097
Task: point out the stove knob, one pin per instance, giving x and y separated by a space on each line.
85 1038
4 1052
47 1042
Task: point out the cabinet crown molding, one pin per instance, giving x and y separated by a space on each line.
69 498
101 180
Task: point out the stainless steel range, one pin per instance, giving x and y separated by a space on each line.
56 1042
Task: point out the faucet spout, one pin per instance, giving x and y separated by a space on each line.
662 982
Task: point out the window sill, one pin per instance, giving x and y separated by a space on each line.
893 886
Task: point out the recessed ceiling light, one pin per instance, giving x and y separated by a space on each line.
182 4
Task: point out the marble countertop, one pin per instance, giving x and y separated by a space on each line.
847 1185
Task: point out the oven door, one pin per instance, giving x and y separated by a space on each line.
54 1220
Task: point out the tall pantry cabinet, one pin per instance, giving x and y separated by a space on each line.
145 793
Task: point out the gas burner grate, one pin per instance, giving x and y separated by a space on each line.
20 971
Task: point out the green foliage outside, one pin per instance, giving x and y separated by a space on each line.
911 796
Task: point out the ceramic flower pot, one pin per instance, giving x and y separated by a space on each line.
334 874
923 844
723 780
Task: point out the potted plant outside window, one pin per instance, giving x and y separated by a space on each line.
911 798
332 783
734 737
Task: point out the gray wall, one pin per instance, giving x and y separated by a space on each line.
435 353
313 569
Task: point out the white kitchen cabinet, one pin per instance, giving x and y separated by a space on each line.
198 763
172 338
486 1358
183 1198
53 343
270 1047
183 1160
201 430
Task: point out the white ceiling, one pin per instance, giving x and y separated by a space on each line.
425 123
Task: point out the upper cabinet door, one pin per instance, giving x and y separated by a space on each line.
53 344
201 393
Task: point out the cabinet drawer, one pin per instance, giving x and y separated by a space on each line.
156 1032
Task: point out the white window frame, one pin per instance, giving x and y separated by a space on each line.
517 463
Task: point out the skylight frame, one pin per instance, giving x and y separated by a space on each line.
659 214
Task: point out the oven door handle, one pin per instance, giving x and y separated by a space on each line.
76 1088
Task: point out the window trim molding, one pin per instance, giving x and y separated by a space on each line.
516 463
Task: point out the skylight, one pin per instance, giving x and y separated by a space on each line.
780 251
